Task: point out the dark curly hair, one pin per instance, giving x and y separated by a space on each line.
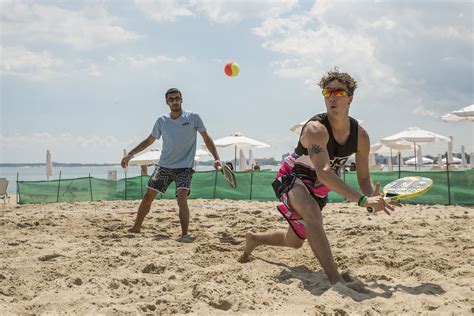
342 77
172 90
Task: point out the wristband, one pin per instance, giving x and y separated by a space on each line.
130 155
362 200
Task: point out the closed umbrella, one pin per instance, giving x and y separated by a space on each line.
252 162
463 157
419 156
440 160
237 140
242 161
49 165
450 150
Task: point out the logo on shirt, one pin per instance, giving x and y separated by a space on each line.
185 123
337 164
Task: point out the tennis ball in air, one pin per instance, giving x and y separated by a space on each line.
231 69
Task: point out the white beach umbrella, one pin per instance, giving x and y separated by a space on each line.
412 161
467 111
49 165
237 140
242 161
147 158
201 153
456 160
388 148
415 135
450 117
298 127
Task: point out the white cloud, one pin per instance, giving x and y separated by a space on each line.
217 11
33 65
422 111
19 61
163 10
88 28
236 11
146 61
392 50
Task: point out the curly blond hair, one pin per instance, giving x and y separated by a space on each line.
342 77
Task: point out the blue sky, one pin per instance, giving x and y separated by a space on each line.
86 79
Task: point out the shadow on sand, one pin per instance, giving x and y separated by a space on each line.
317 283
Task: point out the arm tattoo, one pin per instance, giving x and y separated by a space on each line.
314 150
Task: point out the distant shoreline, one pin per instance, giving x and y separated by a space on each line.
57 164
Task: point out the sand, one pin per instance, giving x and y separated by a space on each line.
78 258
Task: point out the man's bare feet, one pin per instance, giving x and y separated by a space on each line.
250 245
134 230
353 283
186 238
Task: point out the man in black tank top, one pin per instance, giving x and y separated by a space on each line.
306 177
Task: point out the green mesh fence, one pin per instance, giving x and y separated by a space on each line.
455 187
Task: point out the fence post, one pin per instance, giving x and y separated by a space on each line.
59 185
17 188
449 183
90 185
215 184
251 182
125 186
399 165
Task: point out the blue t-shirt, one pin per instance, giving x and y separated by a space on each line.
179 139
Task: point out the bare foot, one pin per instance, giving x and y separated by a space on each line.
250 245
186 238
353 283
134 230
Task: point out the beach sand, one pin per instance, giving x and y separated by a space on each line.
77 258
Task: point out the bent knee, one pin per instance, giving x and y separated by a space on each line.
297 244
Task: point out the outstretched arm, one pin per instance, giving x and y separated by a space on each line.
212 148
142 146
362 162
315 137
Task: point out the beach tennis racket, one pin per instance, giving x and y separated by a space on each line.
405 188
229 176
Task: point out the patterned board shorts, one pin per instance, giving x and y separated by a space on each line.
282 186
162 178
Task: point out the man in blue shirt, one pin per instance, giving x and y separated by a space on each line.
179 131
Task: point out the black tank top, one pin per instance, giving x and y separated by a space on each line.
338 154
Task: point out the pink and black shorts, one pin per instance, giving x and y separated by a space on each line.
283 184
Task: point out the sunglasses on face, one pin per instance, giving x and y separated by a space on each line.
337 92
171 99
